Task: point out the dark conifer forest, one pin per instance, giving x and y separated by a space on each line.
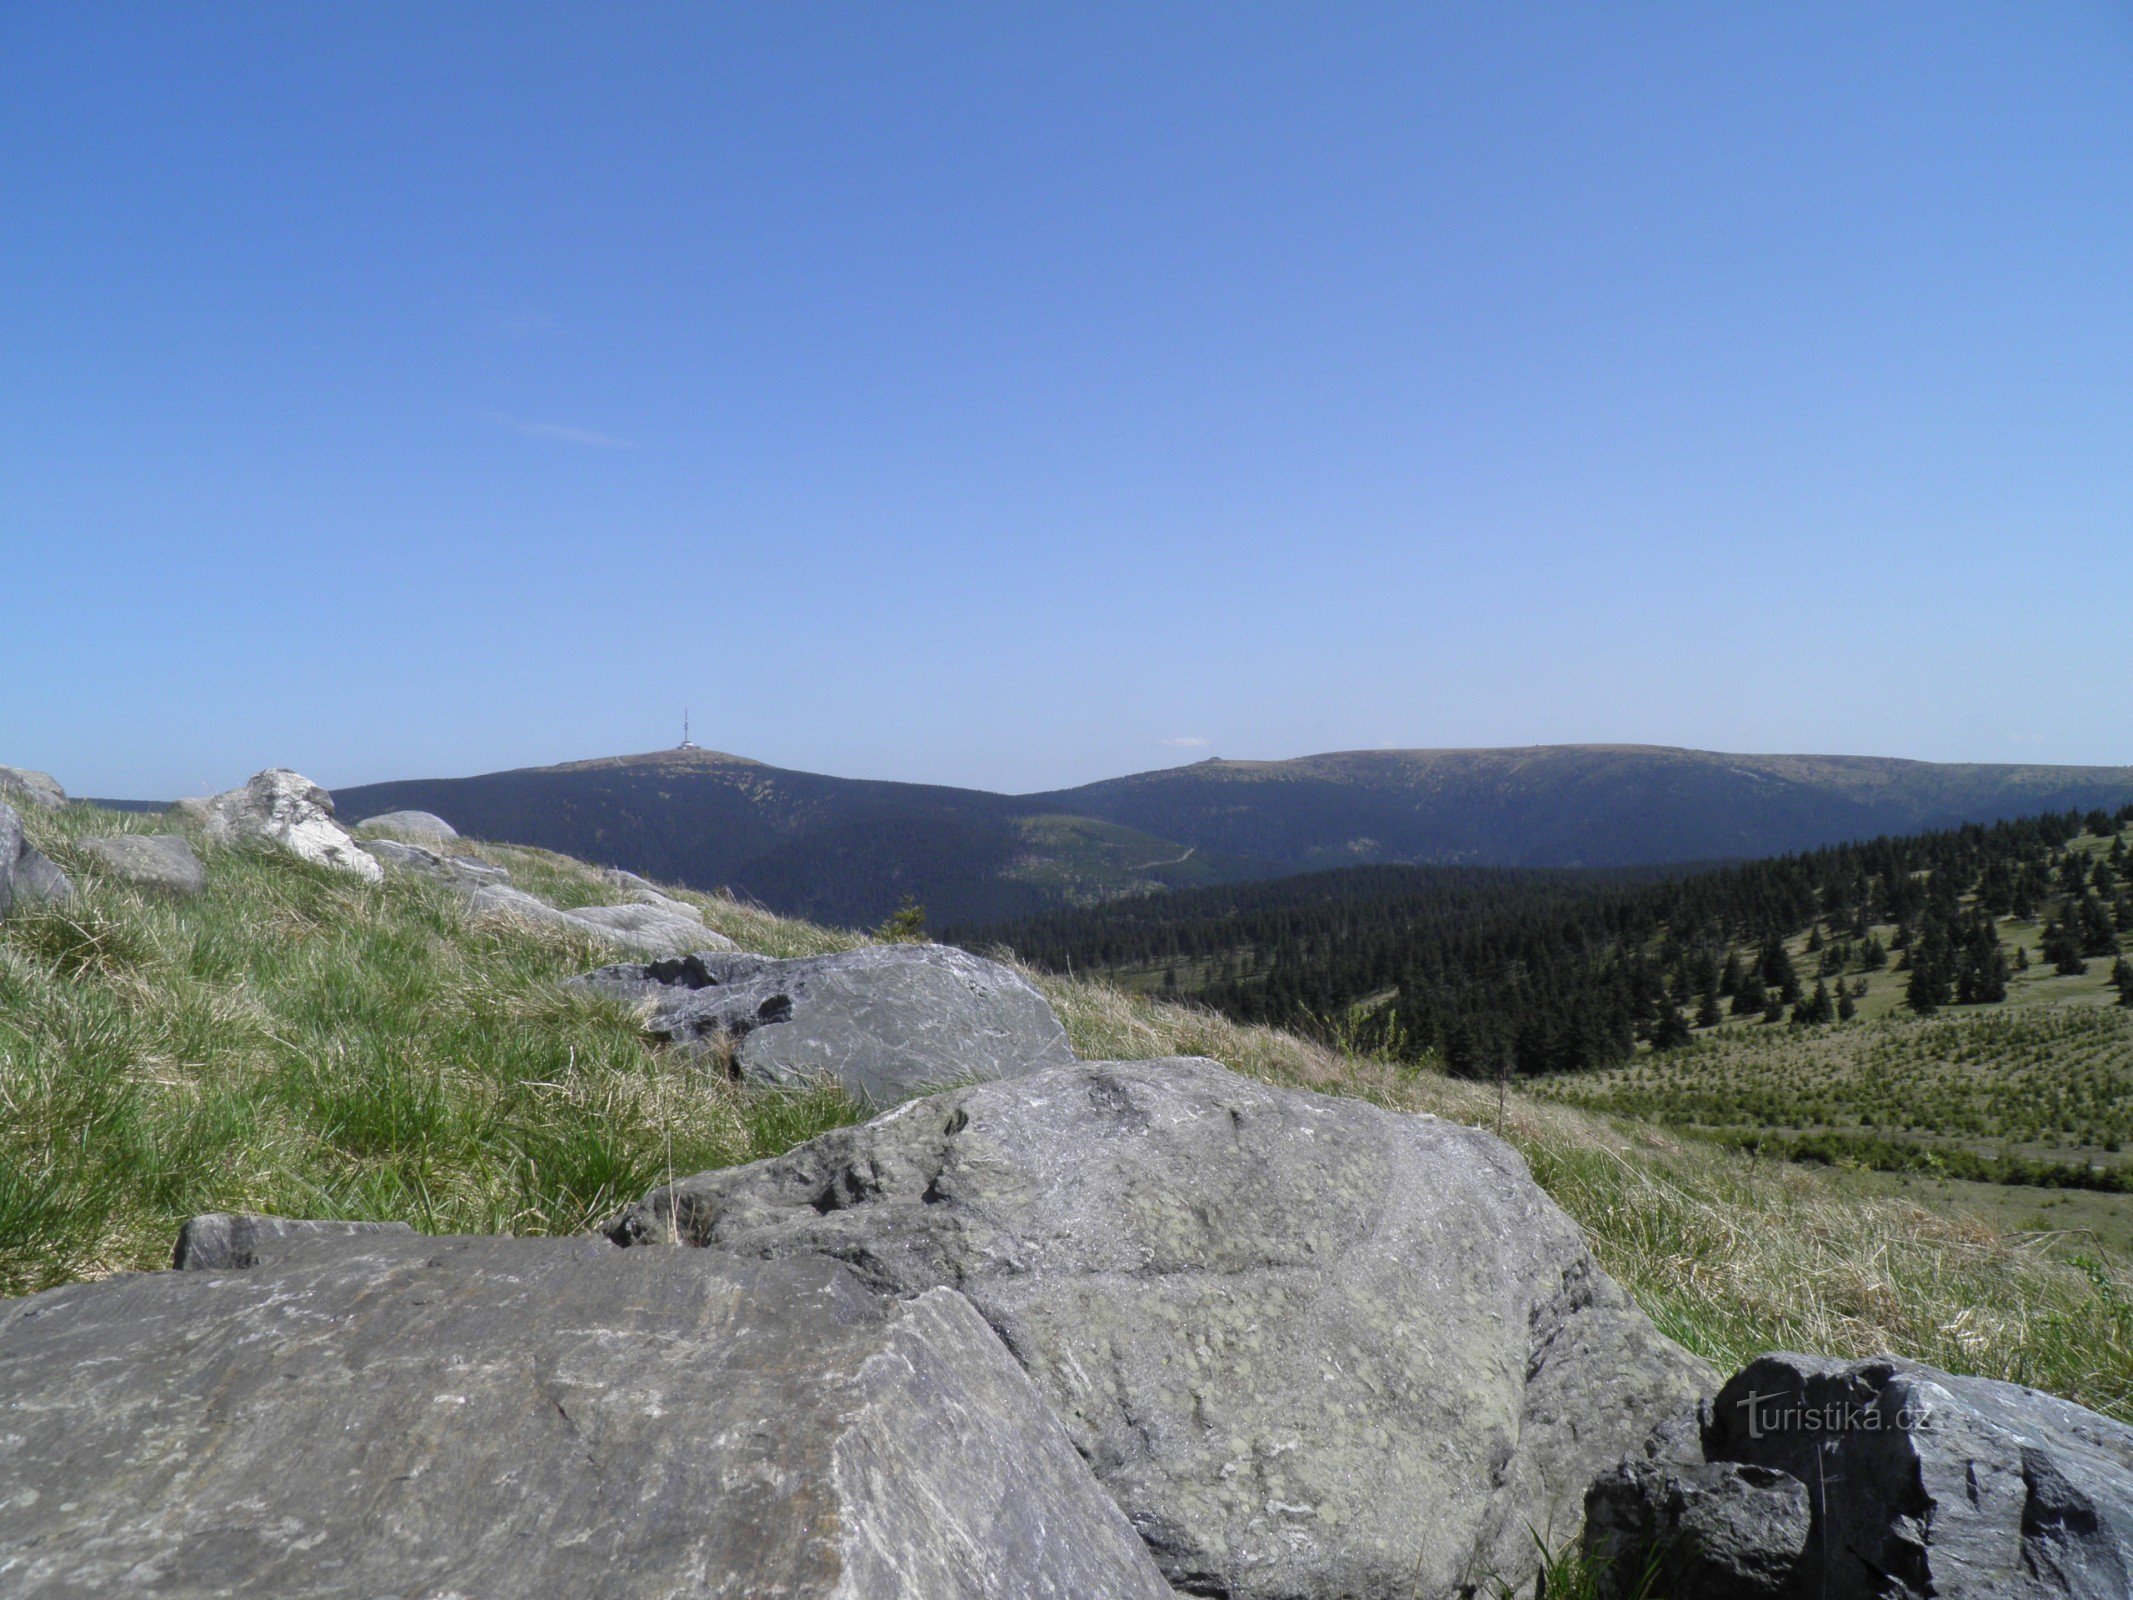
1556 971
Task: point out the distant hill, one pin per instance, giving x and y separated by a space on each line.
1571 805
848 850
843 850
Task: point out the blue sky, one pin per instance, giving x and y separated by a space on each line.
1016 396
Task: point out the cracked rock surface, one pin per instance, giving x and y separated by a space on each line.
1313 1348
384 1414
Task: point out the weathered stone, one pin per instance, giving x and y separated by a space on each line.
654 929
886 1022
1313 1347
421 826
150 861
23 786
226 1241
194 808
287 809
1718 1528
1918 1483
644 929
645 892
541 1419
423 862
27 876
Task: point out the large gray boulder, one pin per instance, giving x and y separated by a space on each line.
540 1419
423 827
150 861
1879 1480
288 810
27 876
25 787
885 1022
1313 1347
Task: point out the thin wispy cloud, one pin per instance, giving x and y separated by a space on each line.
1189 742
561 433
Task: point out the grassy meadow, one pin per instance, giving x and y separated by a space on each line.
298 1042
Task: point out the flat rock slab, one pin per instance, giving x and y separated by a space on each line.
422 826
539 1419
26 787
1881 1480
1313 1347
647 930
150 861
885 1022
27 876
288 810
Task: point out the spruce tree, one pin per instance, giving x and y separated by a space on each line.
1927 991
1816 1008
1707 1013
1729 975
1847 1007
1673 1029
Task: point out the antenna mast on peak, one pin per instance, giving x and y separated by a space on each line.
686 742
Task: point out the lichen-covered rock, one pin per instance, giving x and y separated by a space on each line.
285 808
150 861
27 876
1913 1482
25 787
540 1419
884 1022
1313 1347
421 826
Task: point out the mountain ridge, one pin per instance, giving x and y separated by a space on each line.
850 850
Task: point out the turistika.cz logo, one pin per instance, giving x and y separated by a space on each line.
1772 1414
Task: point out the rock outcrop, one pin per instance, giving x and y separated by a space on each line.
27 876
1877 1480
286 809
545 1419
150 861
423 827
1314 1348
25 787
885 1022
